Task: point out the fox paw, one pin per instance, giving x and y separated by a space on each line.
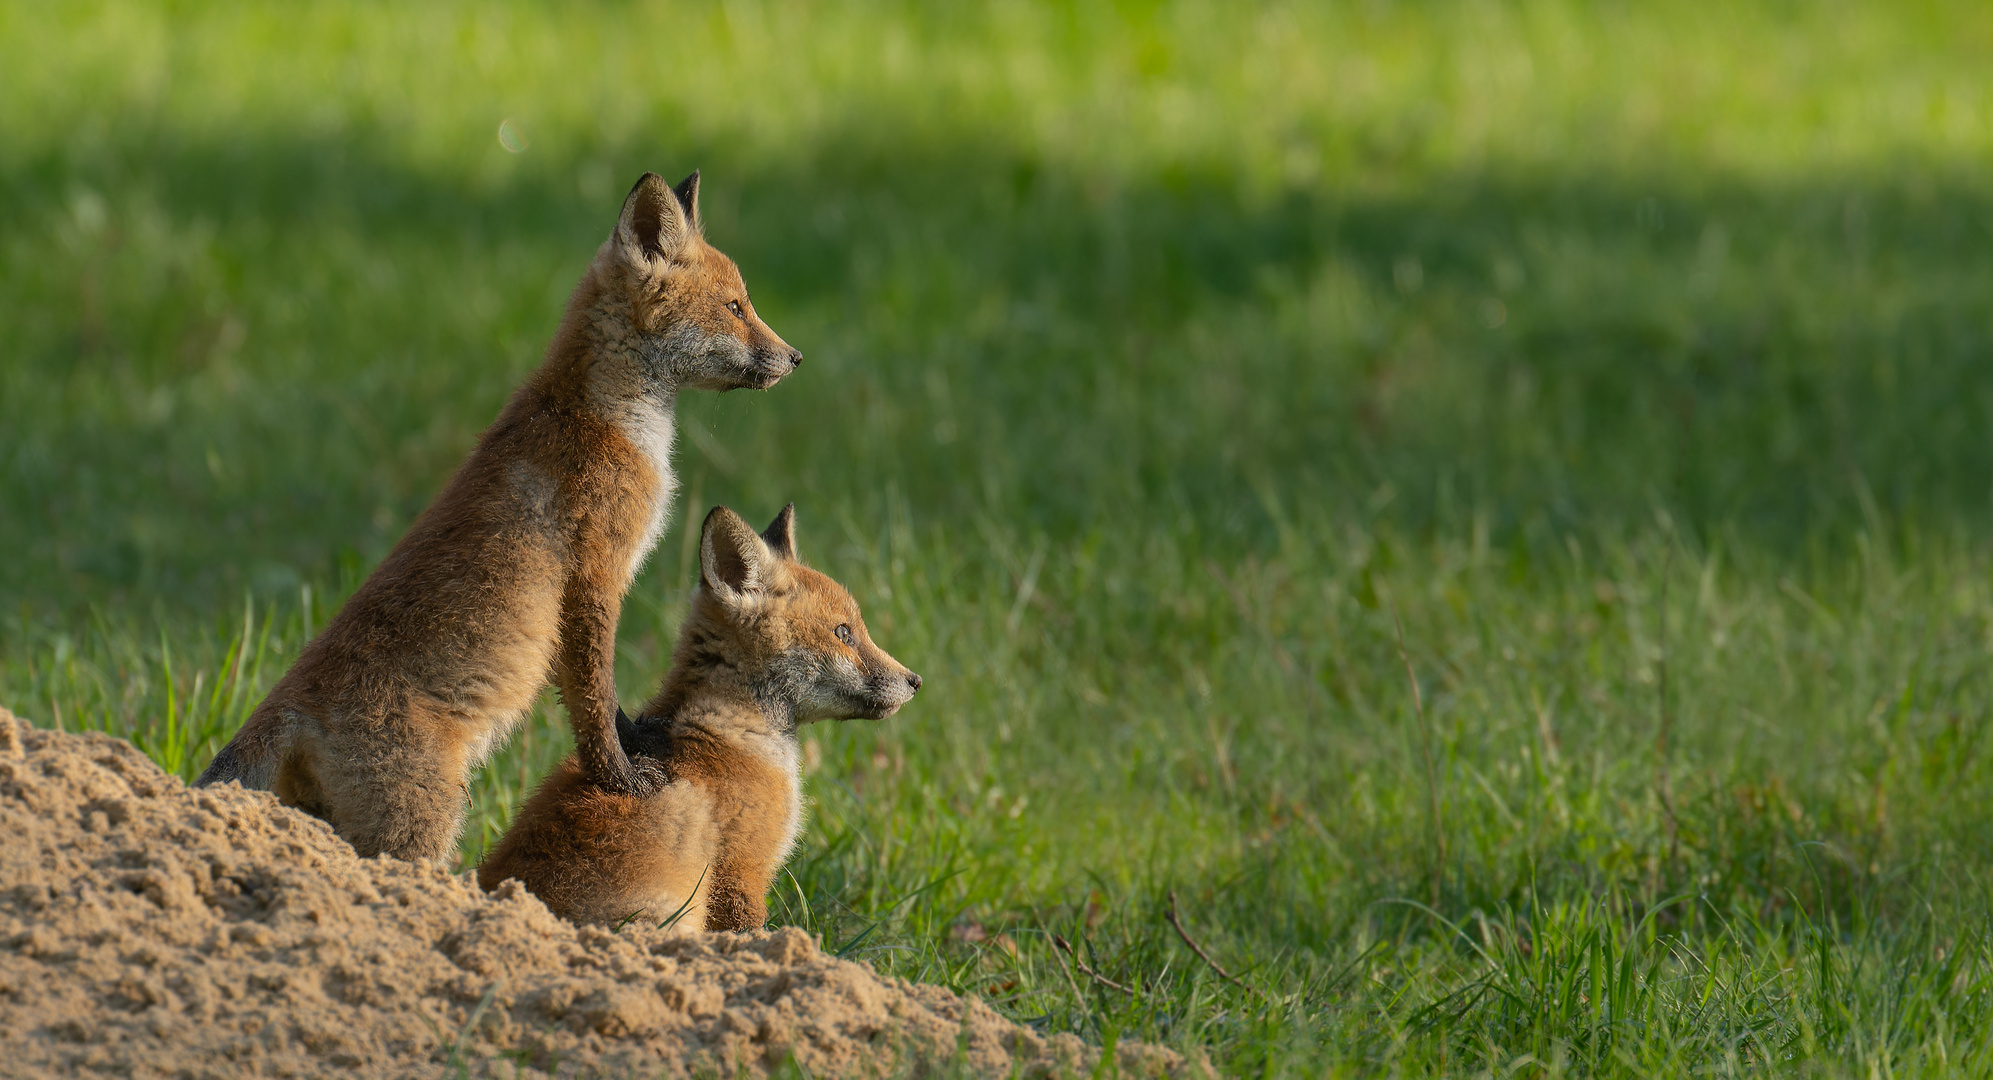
641 778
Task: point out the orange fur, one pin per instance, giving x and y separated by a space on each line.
769 644
517 570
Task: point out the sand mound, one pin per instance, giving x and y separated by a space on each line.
151 930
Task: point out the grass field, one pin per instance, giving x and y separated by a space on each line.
1164 360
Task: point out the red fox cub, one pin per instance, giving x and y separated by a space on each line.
769 644
518 569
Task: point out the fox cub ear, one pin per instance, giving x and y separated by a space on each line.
688 201
655 227
732 559
780 535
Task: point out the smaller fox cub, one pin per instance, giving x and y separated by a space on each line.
769 644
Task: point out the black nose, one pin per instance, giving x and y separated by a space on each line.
913 680
795 358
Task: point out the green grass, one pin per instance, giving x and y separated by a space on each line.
1163 358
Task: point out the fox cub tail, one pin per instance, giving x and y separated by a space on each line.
226 766
249 762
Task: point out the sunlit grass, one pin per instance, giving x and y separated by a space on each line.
1163 360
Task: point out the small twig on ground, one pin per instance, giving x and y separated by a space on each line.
1070 981
1205 956
1087 971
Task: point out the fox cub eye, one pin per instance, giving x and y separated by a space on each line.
734 306
843 633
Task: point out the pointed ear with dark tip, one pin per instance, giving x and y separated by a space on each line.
688 201
653 229
780 535
731 557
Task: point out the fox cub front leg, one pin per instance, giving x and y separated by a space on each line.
732 904
587 676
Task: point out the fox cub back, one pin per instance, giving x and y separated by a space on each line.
769 645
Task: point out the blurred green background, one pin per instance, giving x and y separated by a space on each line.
1163 359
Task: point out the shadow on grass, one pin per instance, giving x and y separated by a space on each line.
248 364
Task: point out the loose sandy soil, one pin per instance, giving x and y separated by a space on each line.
150 930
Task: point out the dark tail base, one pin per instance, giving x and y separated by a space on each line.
226 766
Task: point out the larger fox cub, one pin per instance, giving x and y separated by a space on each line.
518 569
769 644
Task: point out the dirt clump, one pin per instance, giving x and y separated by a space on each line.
152 930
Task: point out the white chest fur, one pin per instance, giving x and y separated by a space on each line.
783 752
793 767
651 427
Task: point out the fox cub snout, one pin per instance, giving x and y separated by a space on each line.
769 644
